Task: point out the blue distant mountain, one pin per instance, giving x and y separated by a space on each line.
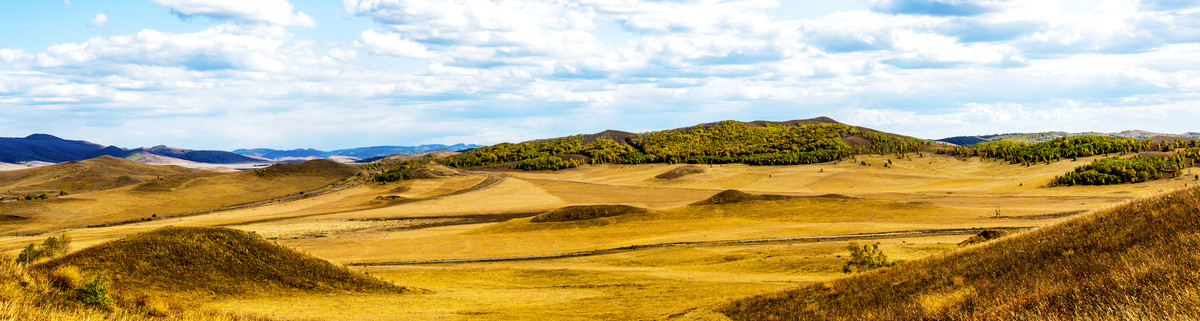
361 152
51 149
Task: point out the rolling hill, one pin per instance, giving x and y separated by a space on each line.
214 261
102 172
192 192
757 143
1131 262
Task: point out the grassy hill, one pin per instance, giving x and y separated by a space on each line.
220 261
756 143
1132 262
102 172
176 194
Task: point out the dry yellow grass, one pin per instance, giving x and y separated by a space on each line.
933 192
93 174
173 195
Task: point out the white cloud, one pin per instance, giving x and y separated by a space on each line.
99 20
13 55
391 44
219 47
276 12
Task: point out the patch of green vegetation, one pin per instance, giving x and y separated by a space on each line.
865 258
1116 170
585 212
1057 149
384 172
52 247
1071 147
720 143
548 163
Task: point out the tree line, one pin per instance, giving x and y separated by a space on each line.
1117 170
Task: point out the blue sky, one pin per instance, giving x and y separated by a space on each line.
225 74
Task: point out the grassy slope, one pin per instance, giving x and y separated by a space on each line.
93 174
31 296
173 195
1130 262
218 261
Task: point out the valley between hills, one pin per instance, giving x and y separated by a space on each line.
720 221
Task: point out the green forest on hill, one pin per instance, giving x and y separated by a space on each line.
1116 170
721 143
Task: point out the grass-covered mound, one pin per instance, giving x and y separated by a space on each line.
218 261
585 212
316 167
681 171
1134 262
736 196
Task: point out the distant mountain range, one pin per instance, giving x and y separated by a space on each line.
1046 136
43 149
51 149
361 152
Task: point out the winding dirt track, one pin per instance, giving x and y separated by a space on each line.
825 238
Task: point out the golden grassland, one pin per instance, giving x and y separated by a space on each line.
172 195
431 220
1133 262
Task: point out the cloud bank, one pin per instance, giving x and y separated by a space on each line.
485 71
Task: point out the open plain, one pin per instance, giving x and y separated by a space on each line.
471 244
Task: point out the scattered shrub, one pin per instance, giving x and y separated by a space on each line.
865 258
50 248
95 292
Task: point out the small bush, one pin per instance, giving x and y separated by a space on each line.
984 236
865 258
95 292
